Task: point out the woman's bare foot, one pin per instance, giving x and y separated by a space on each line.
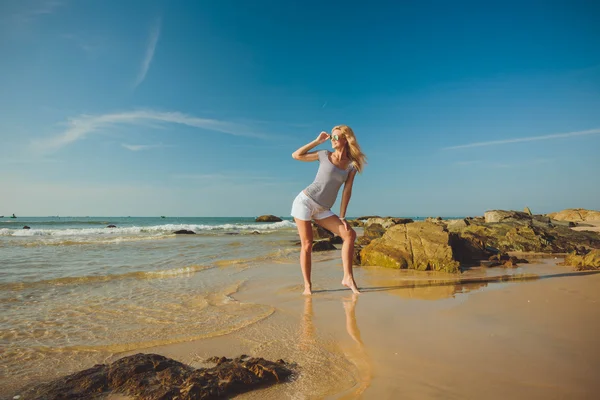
307 291
349 283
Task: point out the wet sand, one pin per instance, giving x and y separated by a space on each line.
420 335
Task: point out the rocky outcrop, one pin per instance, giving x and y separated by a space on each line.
575 215
506 216
151 376
366 217
323 245
589 261
268 218
525 236
184 232
420 245
355 223
527 211
111 226
26 227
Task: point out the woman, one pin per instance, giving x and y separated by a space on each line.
315 202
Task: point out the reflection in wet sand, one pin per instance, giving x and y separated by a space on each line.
356 353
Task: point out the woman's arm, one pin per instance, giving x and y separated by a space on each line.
346 194
302 153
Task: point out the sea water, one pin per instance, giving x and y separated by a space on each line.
73 290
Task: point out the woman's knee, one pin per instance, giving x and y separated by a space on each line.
306 246
348 235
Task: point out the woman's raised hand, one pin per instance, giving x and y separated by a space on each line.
323 137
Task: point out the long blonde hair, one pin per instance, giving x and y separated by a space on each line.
355 154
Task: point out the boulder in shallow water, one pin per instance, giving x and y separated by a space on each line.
111 226
268 218
184 232
152 376
26 227
323 245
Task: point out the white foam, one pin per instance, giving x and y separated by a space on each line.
136 230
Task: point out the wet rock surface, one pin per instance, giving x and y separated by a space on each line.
584 262
437 244
153 377
268 218
420 245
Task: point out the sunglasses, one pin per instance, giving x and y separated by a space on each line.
336 137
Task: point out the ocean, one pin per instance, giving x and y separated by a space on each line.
73 290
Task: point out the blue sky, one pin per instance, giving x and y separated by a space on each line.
193 108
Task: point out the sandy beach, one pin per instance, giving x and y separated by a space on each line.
420 335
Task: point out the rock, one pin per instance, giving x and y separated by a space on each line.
323 245
589 261
151 376
576 215
387 222
356 256
336 240
26 227
355 222
420 245
505 216
527 211
255 232
522 236
363 241
367 217
184 232
111 226
320 233
268 218
373 231
457 223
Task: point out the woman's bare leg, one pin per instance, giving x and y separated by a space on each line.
306 240
335 225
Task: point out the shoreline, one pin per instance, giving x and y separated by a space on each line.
524 333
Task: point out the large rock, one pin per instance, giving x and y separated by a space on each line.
576 215
589 261
323 245
268 218
523 236
420 245
373 231
151 376
506 216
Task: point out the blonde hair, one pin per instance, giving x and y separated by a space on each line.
355 154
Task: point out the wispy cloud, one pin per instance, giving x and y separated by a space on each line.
139 147
152 41
517 164
35 9
525 139
83 125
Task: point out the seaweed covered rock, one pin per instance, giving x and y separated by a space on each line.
589 261
152 376
419 245
526 236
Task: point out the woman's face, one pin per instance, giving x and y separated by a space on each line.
338 141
